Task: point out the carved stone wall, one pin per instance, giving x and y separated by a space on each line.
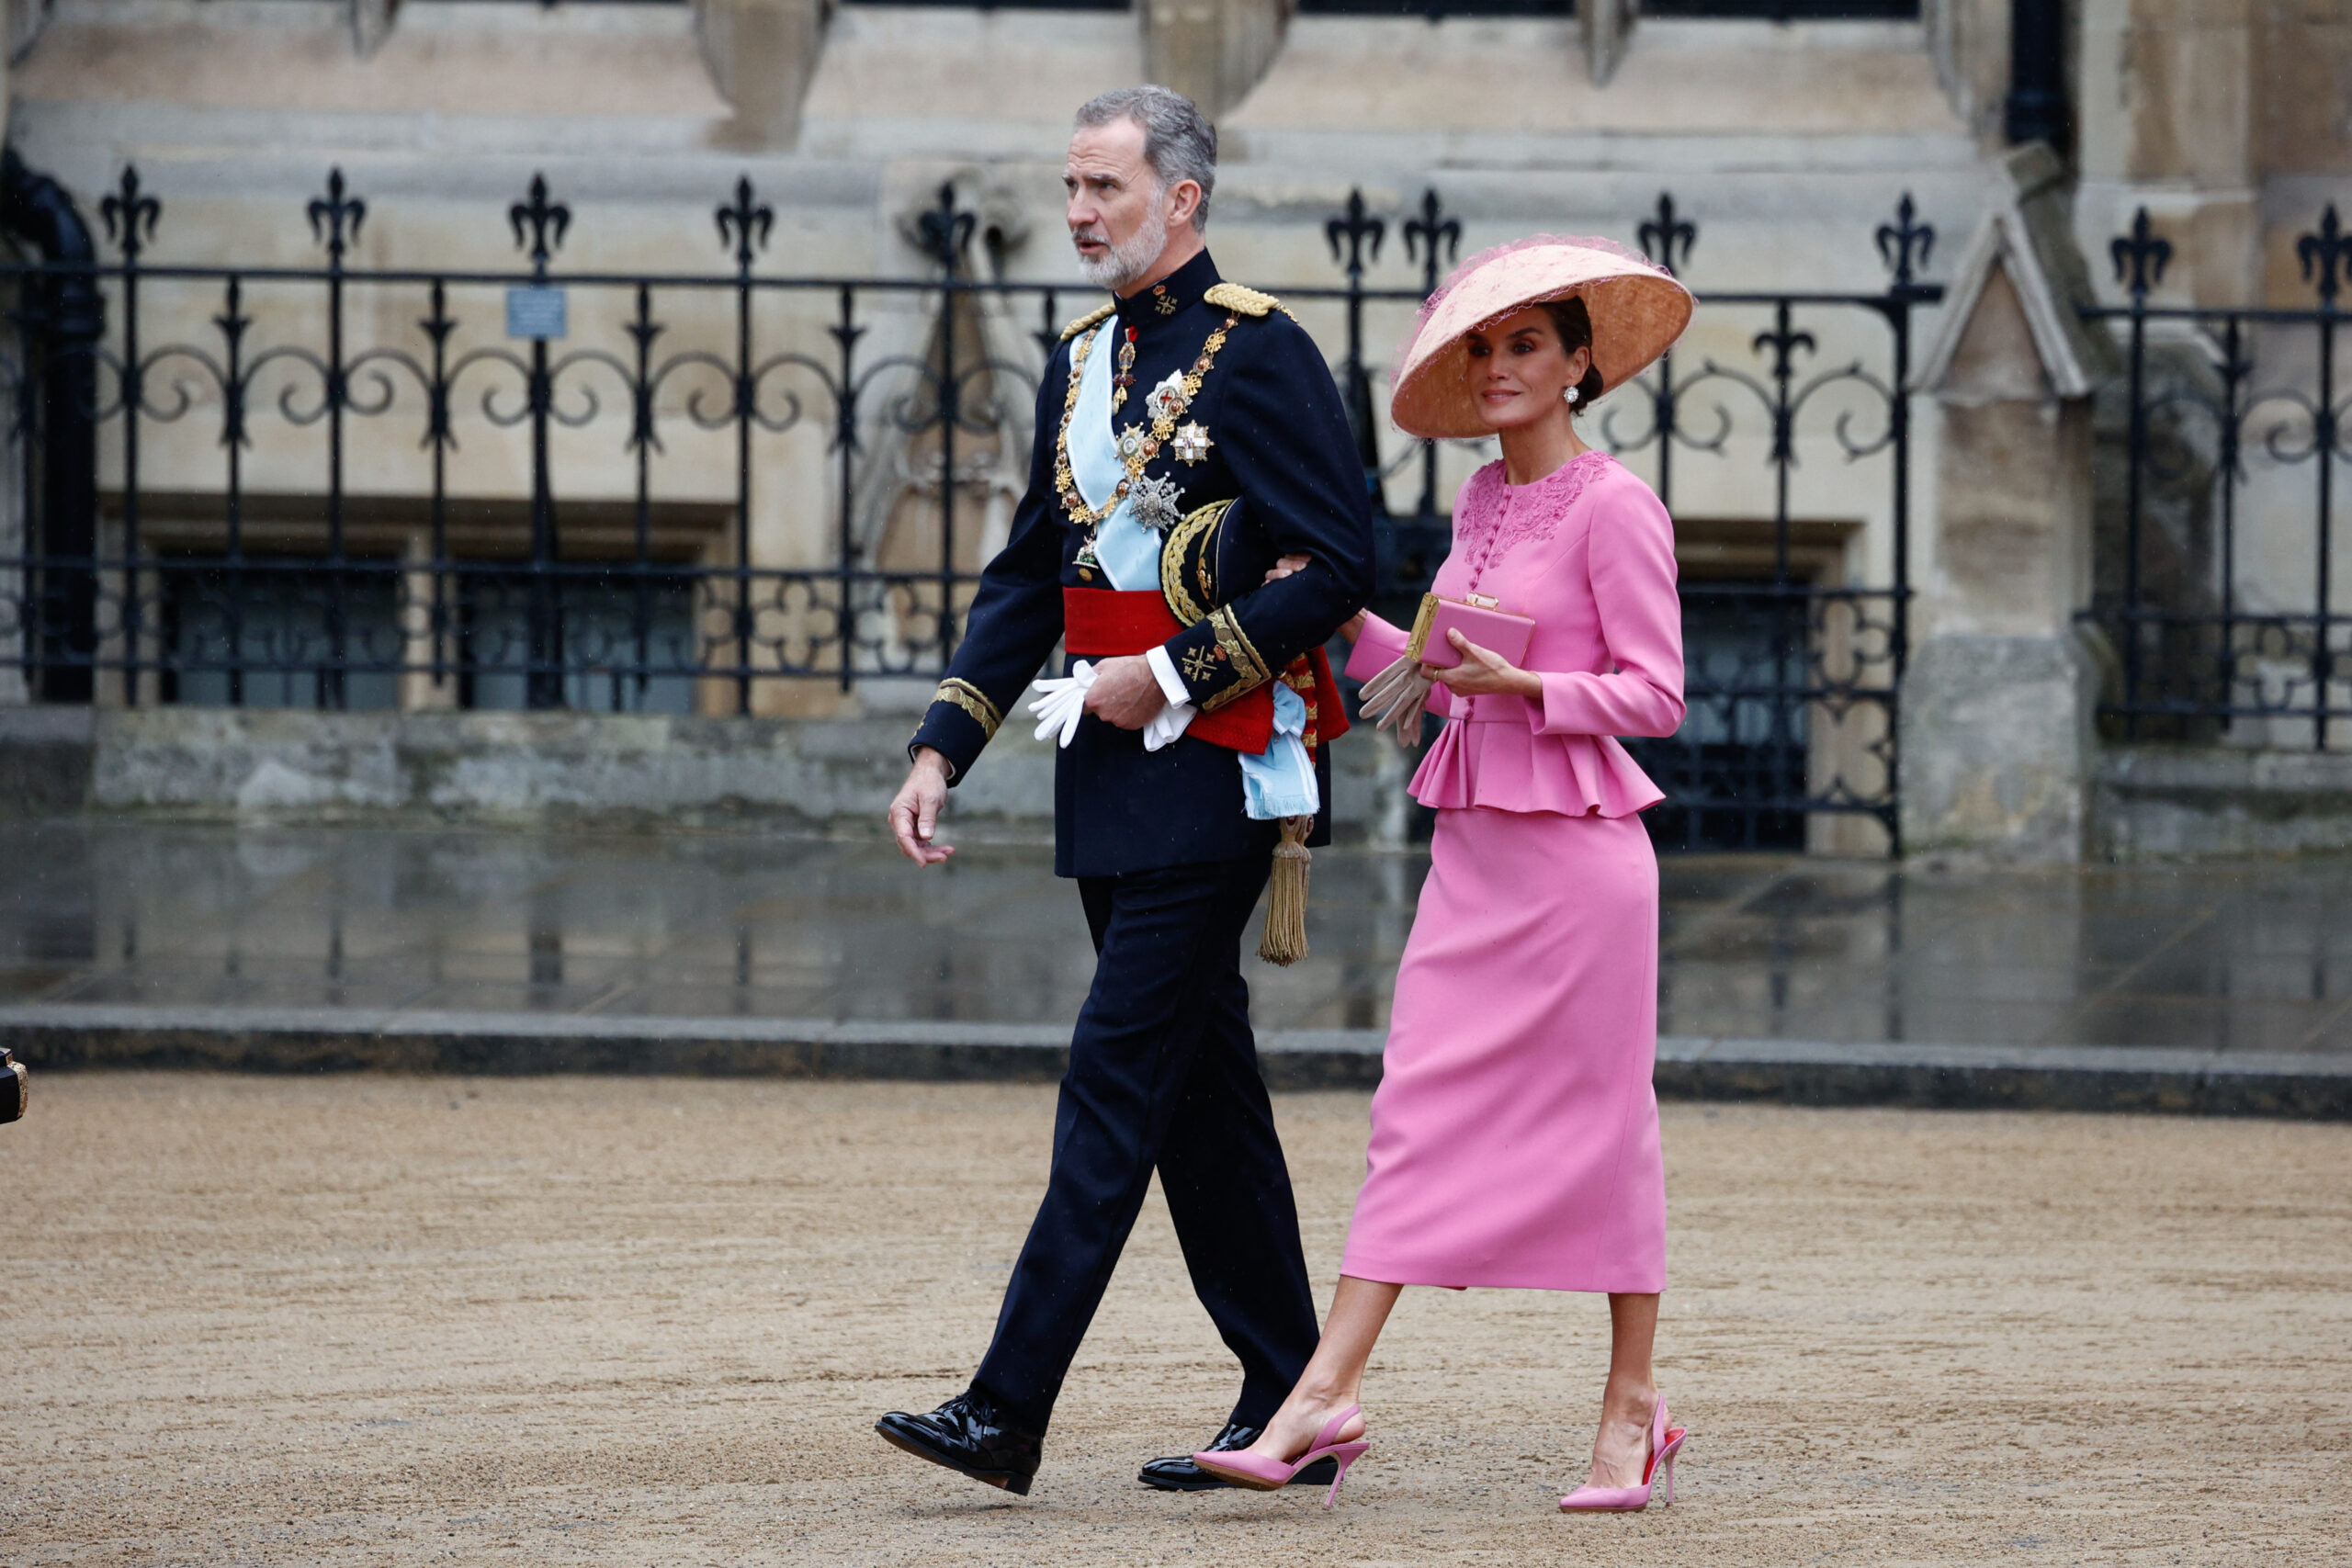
763 54
2227 119
1213 52
1999 699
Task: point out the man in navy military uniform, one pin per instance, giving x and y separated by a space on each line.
1189 435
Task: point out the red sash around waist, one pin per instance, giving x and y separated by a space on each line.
1103 623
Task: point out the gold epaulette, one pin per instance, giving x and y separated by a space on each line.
1088 319
1244 301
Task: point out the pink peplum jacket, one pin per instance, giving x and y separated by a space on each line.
1588 552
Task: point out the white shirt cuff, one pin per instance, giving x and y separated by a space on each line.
1164 667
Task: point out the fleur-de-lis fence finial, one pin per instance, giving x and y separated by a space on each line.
547 221
437 328
745 223
1430 232
1665 238
130 214
331 213
944 230
2321 253
1784 340
232 323
1898 240
1352 234
2140 256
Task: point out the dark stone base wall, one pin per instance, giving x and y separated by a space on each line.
47 757
2161 802
2146 802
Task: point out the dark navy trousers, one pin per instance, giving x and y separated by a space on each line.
1163 1074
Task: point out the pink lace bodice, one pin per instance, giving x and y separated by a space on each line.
1588 552
1493 514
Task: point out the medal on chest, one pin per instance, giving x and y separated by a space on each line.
1126 376
1155 500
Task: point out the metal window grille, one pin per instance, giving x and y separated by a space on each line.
616 561
2217 562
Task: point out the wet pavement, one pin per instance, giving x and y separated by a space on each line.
2242 956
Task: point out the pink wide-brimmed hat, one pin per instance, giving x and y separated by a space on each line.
1637 309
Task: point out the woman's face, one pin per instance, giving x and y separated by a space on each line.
1518 371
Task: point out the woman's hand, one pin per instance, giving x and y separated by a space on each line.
1485 674
1354 627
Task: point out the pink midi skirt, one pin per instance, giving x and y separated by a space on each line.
1514 1134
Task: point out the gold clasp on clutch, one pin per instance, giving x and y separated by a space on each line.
1427 615
1420 636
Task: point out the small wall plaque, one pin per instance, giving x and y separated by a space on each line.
535 312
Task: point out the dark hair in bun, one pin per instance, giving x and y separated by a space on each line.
1574 323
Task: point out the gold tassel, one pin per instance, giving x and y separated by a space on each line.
1285 939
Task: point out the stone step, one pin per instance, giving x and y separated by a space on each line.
70 1037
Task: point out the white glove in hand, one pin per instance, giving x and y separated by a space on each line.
1395 699
1166 724
1064 703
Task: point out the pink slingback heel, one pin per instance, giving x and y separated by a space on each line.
1262 1474
1665 1443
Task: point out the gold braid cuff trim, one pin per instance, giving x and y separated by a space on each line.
963 694
1100 313
1249 668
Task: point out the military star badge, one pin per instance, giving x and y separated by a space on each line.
1192 442
1168 399
1157 503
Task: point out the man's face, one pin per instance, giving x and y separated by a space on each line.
1117 211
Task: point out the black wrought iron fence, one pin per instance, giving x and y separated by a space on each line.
1794 534
2217 562
343 486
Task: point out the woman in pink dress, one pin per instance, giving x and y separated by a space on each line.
1515 1134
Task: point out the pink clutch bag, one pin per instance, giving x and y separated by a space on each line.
1479 620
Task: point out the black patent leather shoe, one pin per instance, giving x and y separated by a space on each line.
969 1434
1179 1473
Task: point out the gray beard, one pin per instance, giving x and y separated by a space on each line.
1129 262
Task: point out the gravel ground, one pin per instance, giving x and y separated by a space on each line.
373 1320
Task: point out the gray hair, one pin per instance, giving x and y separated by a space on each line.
1178 141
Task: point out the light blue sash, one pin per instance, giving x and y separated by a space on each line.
1129 551
1282 782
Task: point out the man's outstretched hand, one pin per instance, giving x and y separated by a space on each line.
914 814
